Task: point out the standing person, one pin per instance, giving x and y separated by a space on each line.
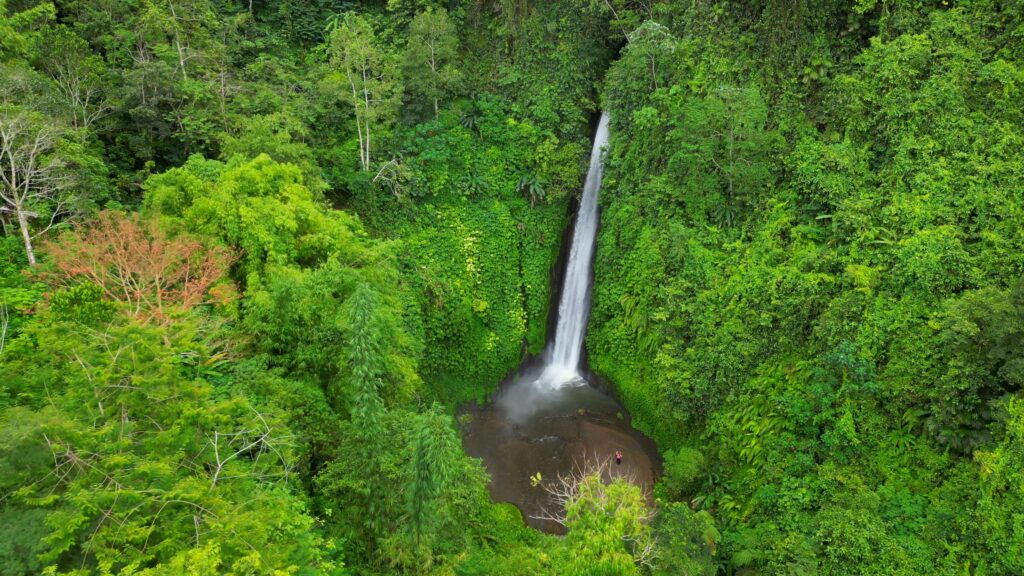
618 456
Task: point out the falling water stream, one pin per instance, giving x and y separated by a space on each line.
574 309
552 416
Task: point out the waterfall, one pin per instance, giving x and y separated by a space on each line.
563 361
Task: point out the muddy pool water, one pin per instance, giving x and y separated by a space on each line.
527 430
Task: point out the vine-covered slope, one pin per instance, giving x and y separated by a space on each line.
808 277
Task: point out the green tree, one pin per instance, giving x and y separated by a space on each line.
261 207
724 150
429 66
84 84
19 31
1001 482
687 542
607 518
364 361
120 439
435 445
645 65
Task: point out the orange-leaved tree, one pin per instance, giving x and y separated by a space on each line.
139 264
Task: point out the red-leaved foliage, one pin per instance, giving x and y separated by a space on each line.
137 263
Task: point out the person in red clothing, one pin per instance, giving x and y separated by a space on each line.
618 456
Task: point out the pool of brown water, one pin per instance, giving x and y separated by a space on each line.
529 428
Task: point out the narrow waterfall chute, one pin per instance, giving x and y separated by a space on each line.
564 352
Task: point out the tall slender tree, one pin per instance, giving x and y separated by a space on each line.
365 77
365 357
435 444
34 179
83 84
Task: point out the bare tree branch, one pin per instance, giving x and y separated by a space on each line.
5 320
229 446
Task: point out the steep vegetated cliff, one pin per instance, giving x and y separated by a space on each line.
808 276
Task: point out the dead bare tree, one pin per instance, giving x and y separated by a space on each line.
254 443
33 178
393 176
87 102
589 479
565 489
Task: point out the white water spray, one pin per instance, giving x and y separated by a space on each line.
563 362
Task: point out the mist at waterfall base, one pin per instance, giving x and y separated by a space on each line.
529 396
551 417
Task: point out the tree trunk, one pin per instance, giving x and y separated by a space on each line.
359 126
26 235
177 43
366 123
433 69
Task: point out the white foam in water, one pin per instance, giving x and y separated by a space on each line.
562 369
555 376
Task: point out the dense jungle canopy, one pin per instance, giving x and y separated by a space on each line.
255 254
